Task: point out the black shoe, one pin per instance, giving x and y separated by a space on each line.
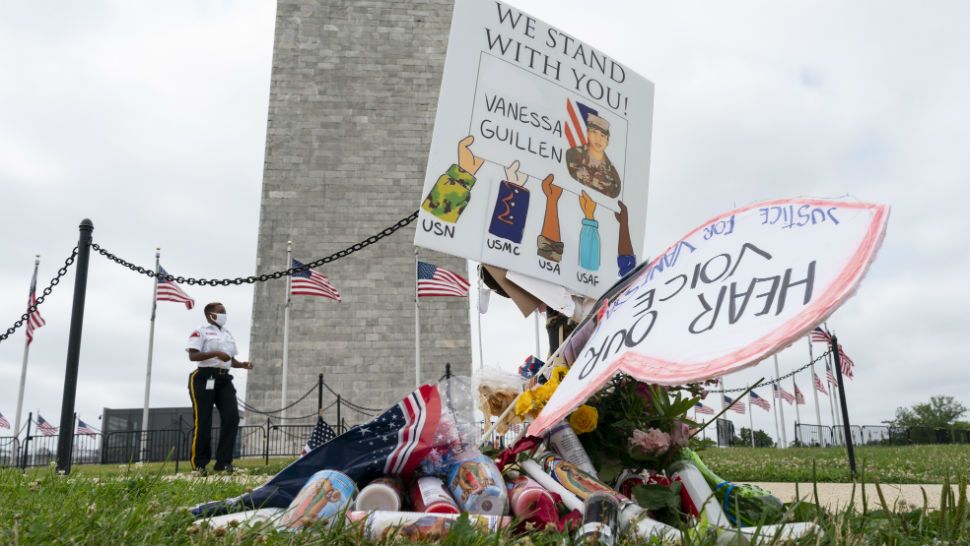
200 471
227 468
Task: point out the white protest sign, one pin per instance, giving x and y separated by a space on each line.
540 158
733 291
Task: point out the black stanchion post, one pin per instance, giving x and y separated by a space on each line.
338 415
837 359
319 393
30 420
65 437
266 444
178 445
448 370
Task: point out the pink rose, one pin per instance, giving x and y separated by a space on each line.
680 435
651 443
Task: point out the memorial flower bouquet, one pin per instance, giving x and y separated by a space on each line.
641 427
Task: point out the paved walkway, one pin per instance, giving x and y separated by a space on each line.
838 495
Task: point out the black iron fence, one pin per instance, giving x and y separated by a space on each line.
264 441
816 435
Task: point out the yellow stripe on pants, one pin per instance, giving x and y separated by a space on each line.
195 413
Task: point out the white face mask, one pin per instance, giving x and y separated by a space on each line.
219 318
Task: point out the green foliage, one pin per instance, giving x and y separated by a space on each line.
940 412
761 438
627 406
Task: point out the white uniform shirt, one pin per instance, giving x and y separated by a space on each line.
212 338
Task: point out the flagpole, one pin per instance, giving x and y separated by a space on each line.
148 366
818 414
538 348
286 329
776 397
798 414
481 349
417 326
781 408
23 366
750 415
833 396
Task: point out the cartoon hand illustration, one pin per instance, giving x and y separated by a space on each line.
589 235
451 193
549 243
513 175
626 260
466 159
587 204
552 191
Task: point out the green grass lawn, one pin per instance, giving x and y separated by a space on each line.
896 464
145 508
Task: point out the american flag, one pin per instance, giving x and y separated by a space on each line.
34 321
780 392
799 397
3 422
395 442
819 335
575 126
322 433
735 406
44 427
312 283
84 428
438 281
847 363
819 385
830 376
759 401
169 291
703 410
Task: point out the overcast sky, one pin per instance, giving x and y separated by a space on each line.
150 119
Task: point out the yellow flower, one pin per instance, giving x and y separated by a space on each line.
557 374
544 392
523 405
584 419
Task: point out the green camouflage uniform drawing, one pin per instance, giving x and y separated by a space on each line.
450 194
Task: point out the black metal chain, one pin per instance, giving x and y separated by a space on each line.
272 412
266 276
43 296
786 376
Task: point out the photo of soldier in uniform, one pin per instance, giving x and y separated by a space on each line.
589 165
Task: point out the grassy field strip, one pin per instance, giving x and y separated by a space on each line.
836 496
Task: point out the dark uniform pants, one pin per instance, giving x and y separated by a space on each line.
223 396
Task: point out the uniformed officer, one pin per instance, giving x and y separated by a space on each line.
214 349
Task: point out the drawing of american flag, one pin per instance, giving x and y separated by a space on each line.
759 401
703 410
169 291
438 281
780 392
819 385
737 406
799 397
575 126
311 283
84 428
3 422
322 433
34 321
44 427
819 335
